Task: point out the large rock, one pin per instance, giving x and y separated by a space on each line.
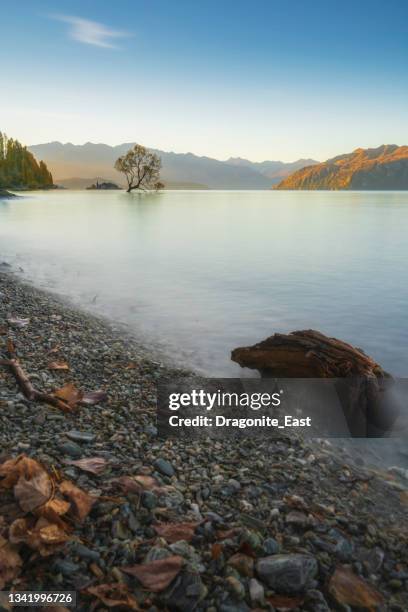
287 573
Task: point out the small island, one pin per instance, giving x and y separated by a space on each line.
104 185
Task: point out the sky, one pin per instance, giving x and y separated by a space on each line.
266 79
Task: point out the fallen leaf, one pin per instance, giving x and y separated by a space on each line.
147 482
53 510
228 533
404 497
216 551
138 484
69 394
55 349
59 506
247 550
51 534
95 465
113 595
13 469
157 575
17 322
348 589
33 492
174 532
81 501
18 531
58 365
11 349
93 397
10 562
282 602
243 564
42 535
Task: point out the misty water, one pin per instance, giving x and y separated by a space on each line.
197 273
194 274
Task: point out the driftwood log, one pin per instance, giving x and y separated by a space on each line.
307 354
361 382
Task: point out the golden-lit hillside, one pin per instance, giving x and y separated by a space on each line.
385 167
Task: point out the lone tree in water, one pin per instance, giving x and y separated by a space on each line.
141 169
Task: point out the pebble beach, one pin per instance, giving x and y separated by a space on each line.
208 525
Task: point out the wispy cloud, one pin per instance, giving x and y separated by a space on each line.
91 32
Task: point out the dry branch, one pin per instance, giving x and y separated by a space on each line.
26 386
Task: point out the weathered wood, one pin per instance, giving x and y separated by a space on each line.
361 381
307 354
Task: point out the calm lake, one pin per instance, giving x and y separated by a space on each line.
197 273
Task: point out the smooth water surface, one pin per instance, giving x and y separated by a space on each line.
198 273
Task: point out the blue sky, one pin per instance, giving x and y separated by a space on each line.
266 79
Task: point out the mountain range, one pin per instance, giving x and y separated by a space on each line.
77 166
382 168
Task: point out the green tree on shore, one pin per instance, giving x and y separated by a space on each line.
19 168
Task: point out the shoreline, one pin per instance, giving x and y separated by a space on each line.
261 511
7 195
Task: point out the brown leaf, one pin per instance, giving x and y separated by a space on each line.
55 349
93 397
157 575
10 562
138 484
56 505
34 492
11 349
95 465
81 501
69 394
53 510
282 602
243 564
113 595
50 533
13 469
228 533
174 532
348 589
42 536
404 497
216 551
58 365
18 531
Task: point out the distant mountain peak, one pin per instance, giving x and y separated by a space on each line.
381 168
97 159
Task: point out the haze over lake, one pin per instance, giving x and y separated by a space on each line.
197 273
